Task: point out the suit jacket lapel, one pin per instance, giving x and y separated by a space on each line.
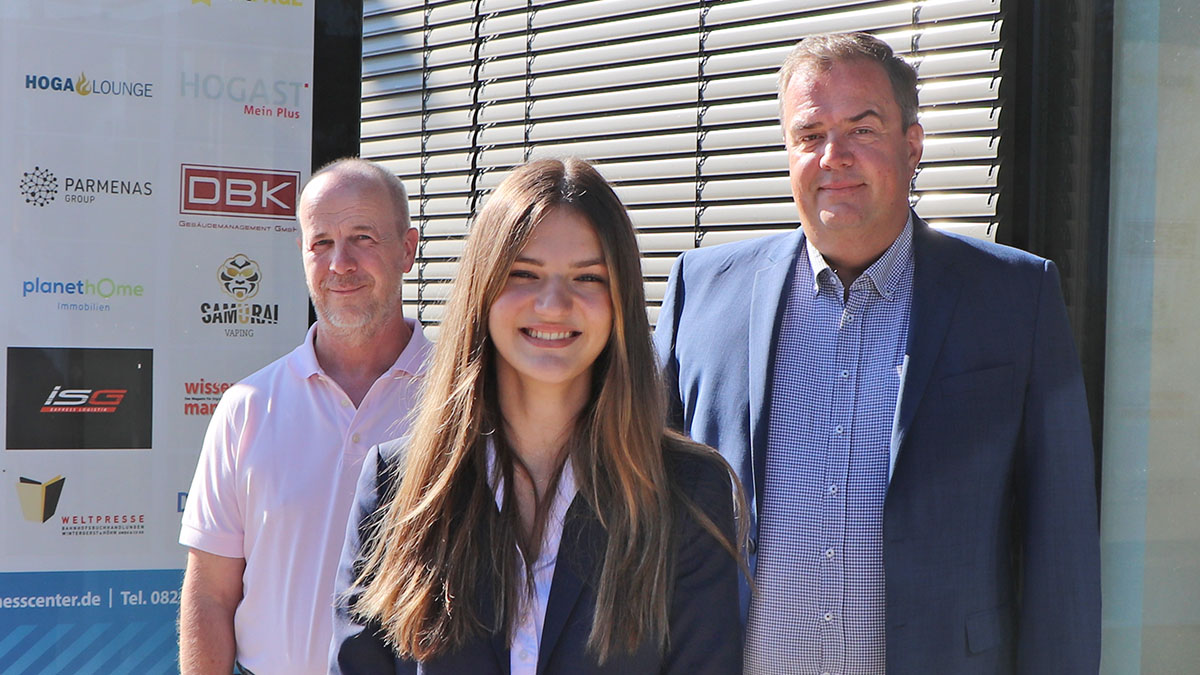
579 554
767 302
935 294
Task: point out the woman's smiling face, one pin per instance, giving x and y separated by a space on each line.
554 315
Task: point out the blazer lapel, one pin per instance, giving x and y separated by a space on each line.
579 554
766 313
935 294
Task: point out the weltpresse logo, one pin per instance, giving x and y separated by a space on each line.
40 187
66 398
82 85
238 191
39 501
239 279
253 96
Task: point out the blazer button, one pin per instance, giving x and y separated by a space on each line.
752 545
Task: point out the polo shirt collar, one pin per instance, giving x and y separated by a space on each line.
411 361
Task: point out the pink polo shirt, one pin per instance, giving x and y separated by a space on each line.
274 486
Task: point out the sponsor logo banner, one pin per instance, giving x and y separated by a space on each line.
238 191
63 398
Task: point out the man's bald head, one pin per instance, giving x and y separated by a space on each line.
370 175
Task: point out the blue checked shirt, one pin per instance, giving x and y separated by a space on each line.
838 366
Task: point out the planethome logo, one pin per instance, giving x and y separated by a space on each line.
239 278
238 191
82 295
255 97
40 187
83 86
39 501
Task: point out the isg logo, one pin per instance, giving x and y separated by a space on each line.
239 278
238 191
79 398
83 400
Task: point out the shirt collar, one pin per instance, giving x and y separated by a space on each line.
563 496
884 274
410 362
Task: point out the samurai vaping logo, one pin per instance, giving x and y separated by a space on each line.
239 277
39 186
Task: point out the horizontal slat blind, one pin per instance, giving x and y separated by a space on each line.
674 101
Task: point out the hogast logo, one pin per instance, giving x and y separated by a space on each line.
238 191
83 400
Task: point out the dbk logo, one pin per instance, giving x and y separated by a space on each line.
251 193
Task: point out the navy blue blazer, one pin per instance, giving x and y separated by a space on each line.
705 631
991 536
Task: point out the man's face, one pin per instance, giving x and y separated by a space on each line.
354 252
850 159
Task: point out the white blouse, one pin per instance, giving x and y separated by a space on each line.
527 639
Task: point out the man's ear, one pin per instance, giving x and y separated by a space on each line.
915 138
409 241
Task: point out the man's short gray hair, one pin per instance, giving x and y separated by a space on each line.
354 166
825 50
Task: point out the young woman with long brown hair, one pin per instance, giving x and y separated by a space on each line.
540 518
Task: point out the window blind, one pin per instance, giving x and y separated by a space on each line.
673 101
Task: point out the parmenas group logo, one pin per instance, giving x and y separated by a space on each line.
239 278
41 186
82 85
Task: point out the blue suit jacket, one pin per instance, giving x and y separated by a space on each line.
705 635
991 545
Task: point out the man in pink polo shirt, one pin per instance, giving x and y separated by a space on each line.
267 510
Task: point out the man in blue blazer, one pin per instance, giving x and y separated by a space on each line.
904 407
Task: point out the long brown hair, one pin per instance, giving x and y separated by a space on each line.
442 533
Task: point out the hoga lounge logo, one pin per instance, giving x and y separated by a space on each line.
86 87
39 186
240 279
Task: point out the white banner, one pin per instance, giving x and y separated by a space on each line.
152 154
